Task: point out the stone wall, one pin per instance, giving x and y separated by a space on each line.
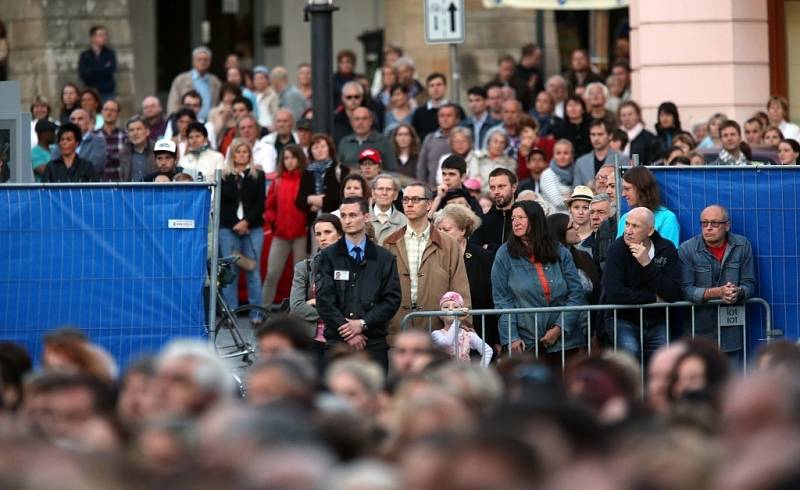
490 33
46 38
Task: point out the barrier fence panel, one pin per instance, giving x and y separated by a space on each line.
612 317
762 202
124 262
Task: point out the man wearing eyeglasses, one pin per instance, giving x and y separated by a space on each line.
717 265
429 263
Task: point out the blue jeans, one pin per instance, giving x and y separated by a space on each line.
249 245
654 337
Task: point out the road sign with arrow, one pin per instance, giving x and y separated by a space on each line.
444 21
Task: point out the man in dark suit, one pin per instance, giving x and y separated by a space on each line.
358 288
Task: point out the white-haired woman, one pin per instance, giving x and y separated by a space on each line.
241 217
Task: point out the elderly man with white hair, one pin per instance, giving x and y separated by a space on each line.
558 89
198 78
642 267
191 379
596 97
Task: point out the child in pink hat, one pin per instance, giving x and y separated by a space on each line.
467 340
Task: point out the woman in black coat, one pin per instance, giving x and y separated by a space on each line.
459 222
321 182
640 141
241 218
575 126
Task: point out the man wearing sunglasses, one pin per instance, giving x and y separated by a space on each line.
716 265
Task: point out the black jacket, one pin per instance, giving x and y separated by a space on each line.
251 194
626 282
370 293
81 171
332 190
478 263
577 134
494 230
648 146
98 70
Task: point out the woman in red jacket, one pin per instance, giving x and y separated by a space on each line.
288 223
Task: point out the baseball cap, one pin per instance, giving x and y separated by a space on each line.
370 154
261 69
304 123
165 145
581 193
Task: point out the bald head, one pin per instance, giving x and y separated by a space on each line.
284 122
361 120
151 107
717 210
81 119
643 214
638 225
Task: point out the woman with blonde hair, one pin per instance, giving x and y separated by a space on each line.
241 218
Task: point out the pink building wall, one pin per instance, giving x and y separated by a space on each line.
707 56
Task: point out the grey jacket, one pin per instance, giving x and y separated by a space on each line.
700 271
584 166
435 146
349 149
126 155
302 284
396 221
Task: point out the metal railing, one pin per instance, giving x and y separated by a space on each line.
770 333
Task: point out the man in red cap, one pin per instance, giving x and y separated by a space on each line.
370 163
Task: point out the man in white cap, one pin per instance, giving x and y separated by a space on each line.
166 159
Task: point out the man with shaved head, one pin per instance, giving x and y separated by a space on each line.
642 267
717 265
364 137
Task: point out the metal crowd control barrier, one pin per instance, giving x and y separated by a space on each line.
590 308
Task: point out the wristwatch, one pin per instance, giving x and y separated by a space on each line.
363 326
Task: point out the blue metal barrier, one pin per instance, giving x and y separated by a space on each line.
126 263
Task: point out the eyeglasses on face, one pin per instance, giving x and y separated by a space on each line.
712 224
414 200
352 97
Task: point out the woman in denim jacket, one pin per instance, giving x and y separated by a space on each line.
533 270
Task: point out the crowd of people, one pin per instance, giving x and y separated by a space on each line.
416 204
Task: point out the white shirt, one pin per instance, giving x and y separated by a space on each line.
264 156
376 211
790 130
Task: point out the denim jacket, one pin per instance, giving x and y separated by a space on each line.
515 284
700 271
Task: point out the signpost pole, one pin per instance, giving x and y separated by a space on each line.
455 74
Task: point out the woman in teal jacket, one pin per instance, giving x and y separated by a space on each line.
533 270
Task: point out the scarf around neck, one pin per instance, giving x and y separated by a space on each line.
565 175
318 169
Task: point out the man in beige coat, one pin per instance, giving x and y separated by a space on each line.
429 263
